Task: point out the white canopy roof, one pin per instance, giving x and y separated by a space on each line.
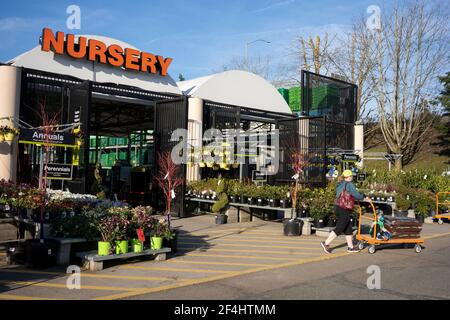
88 70
240 88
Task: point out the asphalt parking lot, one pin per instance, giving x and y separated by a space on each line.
208 255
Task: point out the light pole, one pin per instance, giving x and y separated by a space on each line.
249 43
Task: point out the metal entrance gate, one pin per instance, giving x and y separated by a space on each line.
169 116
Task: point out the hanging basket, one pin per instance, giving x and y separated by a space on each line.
9 136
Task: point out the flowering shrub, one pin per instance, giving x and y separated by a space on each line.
161 229
141 218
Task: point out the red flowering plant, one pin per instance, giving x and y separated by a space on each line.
142 219
112 228
25 197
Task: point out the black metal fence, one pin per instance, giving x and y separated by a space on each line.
325 96
313 138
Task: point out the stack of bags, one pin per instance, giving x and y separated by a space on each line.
402 227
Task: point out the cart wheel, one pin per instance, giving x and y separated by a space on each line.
418 248
361 245
440 221
372 249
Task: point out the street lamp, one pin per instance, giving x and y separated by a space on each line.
249 43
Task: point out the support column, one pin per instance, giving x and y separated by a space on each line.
10 84
359 143
195 134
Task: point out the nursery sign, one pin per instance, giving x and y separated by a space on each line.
97 51
58 171
37 136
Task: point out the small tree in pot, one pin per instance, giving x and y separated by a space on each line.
219 206
168 180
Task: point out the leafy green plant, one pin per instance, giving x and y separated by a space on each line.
402 202
77 226
162 229
220 203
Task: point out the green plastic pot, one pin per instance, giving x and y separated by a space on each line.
104 248
121 247
156 243
137 245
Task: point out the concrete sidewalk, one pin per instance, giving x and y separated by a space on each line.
208 253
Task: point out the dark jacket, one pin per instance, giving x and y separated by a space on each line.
350 187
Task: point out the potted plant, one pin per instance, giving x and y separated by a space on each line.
122 228
318 209
424 205
141 222
274 194
251 193
403 205
261 194
219 206
107 227
8 133
160 231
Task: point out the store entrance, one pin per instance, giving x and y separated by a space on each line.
121 148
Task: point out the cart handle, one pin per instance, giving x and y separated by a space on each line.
360 217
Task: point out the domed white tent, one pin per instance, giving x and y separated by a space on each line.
238 88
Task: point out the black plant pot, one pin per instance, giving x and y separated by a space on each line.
302 213
292 227
251 201
233 199
319 223
285 203
172 243
274 203
420 218
40 255
221 218
15 253
261 202
243 199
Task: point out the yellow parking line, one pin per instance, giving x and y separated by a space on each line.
219 263
237 257
252 246
64 286
17 297
88 275
258 239
437 235
221 277
253 251
174 269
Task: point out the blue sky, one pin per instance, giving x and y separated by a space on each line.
201 36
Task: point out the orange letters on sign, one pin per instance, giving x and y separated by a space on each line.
98 51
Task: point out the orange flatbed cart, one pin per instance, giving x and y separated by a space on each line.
372 241
438 215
